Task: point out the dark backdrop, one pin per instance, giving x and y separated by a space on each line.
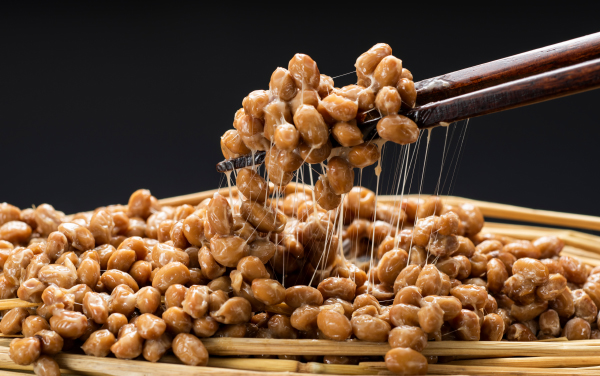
97 101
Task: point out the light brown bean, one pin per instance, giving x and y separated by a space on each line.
577 329
268 291
112 278
51 343
405 361
552 288
548 246
15 232
129 344
263 218
205 327
314 155
115 322
78 236
369 328
140 271
99 343
520 332
219 215
549 323
236 310
24 351
368 61
334 325
466 324
574 269
12 321
282 84
150 326
340 108
429 280
228 250
46 366
196 301
147 299
122 300
252 185
68 324
496 275
391 265
33 324
311 126
170 274
163 254
492 327
408 93
431 316
347 133
95 307
304 71
363 155
47 219
154 349
398 129
407 336
190 350
404 314
340 175
388 101
101 226
31 290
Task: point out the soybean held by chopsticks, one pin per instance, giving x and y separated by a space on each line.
539 75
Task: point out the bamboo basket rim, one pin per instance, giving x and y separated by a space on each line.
495 361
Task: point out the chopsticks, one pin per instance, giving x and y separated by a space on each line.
530 90
510 68
551 72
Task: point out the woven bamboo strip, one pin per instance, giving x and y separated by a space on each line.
15 303
570 237
278 365
251 364
335 369
10 336
534 362
7 364
194 198
445 369
517 213
92 366
273 366
267 346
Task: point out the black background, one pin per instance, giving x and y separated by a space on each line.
97 101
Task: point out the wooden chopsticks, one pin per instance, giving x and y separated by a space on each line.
534 89
539 75
510 68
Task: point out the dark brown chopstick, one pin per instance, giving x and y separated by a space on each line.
539 88
511 68
241 162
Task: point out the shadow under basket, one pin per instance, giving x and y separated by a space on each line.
546 357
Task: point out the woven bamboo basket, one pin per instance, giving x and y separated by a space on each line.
548 357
